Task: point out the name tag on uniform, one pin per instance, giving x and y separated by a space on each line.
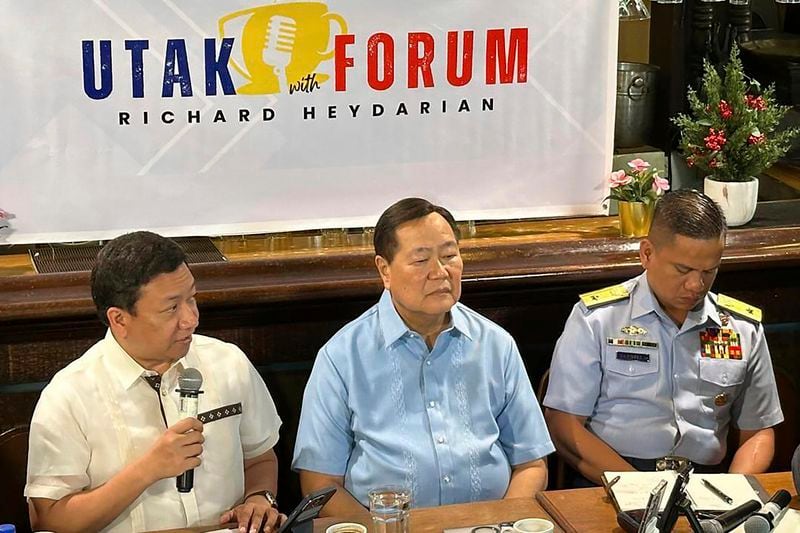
633 343
631 356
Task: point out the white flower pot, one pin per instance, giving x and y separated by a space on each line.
736 198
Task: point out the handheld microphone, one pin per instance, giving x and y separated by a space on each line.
730 520
189 382
764 520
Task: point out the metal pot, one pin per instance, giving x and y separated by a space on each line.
636 101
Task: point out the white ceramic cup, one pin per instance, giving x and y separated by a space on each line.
346 527
533 525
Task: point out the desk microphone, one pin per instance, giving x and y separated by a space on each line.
189 382
796 469
764 520
730 520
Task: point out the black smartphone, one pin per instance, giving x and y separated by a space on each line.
308 508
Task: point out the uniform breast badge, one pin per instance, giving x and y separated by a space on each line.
634 331
720 343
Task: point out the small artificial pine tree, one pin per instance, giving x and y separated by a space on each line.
730 133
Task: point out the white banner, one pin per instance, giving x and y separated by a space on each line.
209 117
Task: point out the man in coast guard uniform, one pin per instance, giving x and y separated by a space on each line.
659 366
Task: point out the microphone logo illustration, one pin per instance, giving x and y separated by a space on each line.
278 45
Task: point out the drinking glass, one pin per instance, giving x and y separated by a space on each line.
389 509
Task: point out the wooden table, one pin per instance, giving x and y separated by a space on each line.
436 519
590 511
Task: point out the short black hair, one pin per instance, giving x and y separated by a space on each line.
405 210
689 213
127 263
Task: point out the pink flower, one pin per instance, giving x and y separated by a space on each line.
4 215
620 178
755 138
639 165
690 161
660 184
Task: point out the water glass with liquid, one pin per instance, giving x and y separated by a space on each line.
389 508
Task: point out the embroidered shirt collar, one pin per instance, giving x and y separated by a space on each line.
125 367
393 327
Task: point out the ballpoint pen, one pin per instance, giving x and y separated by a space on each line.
718 493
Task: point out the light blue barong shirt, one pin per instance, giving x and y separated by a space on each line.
380 408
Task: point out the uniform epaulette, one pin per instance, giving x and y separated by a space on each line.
739 307
604 296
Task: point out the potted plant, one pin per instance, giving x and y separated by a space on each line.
636 189
730 135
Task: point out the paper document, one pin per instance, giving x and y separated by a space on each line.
633 488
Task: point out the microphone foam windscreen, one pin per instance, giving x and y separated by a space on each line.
796 469
190 379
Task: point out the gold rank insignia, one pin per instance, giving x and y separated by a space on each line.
604 296
720 400
634 330
738 307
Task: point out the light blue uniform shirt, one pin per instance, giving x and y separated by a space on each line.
662 398
448 423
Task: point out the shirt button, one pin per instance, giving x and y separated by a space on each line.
724 378
431 404
446 479
440 440
675 376
164 391
428 362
